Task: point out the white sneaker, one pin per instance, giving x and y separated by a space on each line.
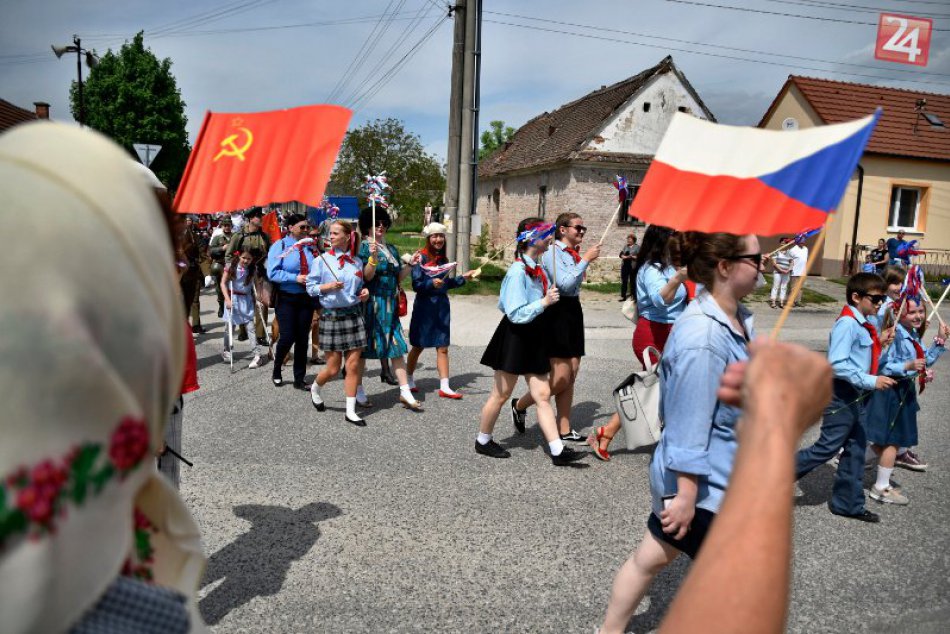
226 356
255 362
888 496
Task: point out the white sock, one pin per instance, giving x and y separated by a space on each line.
351 407
883 478
444 386
412 382
361 395
483 439
556 447
406 394
315 393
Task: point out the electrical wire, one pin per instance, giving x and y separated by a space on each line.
709 54
338 87
860 8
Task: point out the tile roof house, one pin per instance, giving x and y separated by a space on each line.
11 115
568 159
904 175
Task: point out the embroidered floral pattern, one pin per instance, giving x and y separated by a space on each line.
139 564
33 499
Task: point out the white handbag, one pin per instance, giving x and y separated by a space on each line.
637 400
629 309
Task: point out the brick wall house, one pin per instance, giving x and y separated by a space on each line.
568 159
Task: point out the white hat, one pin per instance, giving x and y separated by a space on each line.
433 228
93 349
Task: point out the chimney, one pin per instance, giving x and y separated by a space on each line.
42 109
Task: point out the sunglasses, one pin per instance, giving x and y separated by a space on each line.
578 228
874 297
755 257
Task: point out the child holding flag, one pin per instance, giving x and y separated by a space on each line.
518 346
892 414
854 352
430 324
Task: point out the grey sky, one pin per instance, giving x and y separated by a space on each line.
239 63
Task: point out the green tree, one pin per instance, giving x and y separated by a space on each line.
384 145
494 137
132 97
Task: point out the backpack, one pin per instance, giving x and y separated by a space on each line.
637 400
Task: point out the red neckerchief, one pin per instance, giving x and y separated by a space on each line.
536 272
922 376
574 253
342 259
875 341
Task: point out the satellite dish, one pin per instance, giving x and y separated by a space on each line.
791 123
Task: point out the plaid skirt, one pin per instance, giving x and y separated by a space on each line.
342 329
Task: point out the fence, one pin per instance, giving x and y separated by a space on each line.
934 262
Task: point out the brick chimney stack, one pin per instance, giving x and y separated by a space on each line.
42 109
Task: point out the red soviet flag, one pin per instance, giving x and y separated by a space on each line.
247 159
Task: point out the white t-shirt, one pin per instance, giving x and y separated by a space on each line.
800 258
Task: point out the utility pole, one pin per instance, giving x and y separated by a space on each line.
453 152
468 160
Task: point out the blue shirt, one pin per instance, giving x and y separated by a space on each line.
894 359
521 295
651 278
283 271
699 435
350 273
569 274
849 351
893 244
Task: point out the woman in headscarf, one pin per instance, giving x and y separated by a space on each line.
94 350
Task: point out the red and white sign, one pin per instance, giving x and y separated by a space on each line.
904 39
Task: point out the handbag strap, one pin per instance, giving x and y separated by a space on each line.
648 360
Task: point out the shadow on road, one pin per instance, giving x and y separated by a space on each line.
256 563
816 486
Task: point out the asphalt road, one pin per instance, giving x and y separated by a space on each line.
313 525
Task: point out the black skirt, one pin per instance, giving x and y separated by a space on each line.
566 328
518 348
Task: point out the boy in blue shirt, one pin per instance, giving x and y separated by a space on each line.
854 350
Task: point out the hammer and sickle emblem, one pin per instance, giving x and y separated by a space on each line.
229 146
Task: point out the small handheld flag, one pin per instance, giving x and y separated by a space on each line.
537 233
909 249
438 269
804 235
621 185
375 188
297 246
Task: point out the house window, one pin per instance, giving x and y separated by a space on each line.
542 200
495 201
625 220
905 209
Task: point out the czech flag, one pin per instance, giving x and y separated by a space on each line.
252 159
709 177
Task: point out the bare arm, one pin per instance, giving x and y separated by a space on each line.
668 292
740 579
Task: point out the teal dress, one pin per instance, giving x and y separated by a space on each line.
383 330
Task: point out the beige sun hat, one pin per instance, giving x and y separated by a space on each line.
93 351
433 228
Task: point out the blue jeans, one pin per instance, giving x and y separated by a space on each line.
841 426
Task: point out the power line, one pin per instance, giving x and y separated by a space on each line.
341 82
708 54
778 13
716 46
835 6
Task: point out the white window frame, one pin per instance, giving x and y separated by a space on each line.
893 211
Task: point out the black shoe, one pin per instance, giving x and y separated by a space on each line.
865 516
573 436
518 416
386 373
492 449
198 330
220 311
622 299
317 401
566 457
278 381
301 385
242 334
261 341
359 422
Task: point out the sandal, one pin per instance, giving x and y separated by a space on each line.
594 441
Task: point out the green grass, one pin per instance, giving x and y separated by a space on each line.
610 288
808 295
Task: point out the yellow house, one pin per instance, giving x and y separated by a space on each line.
903 179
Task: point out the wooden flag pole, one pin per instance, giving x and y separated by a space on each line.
373 230
923 291
787 245
610 224
939 302
800 283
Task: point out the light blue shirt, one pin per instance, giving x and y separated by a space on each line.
699 436
651 278
894 359
521 295
569 274
322 272
283 271
849 351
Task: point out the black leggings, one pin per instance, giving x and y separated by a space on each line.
294 313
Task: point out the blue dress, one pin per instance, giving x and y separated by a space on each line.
431 314
383 330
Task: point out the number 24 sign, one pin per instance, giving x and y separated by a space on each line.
903 39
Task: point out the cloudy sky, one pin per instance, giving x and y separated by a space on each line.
248 55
